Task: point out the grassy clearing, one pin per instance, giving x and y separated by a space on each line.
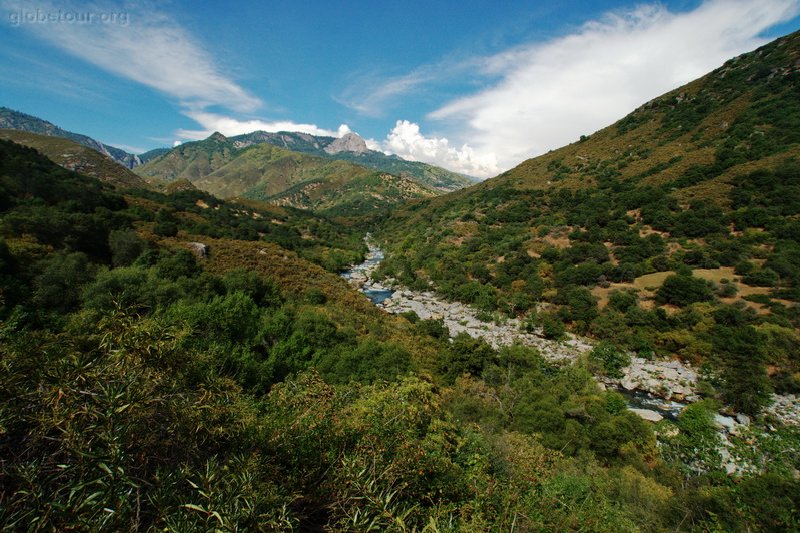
649 283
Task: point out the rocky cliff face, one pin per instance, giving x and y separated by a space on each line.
350 142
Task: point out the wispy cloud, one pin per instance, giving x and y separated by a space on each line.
369 95
550 93
138 43
373 94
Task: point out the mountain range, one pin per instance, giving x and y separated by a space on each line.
195 160
249 167
350 147
329 174
78 157
15 120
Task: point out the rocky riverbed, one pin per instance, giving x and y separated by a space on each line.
669 383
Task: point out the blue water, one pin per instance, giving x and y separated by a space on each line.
377 296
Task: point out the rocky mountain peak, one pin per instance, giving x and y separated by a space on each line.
217 136
350 142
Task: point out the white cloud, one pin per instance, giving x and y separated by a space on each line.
139 43
228 126
406 140
551 93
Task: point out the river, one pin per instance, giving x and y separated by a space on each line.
660 386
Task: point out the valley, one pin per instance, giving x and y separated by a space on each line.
287 331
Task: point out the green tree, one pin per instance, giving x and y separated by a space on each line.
63 276
263 291
178 264
746 385
466 355
610 358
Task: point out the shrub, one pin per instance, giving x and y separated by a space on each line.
552 327
682 290
125 246
611 359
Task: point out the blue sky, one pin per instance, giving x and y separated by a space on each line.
475 86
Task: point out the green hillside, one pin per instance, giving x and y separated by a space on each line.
265 172
605 234
152 154
191 161
367 195
274 170
426 175
74 156
146 387
196 160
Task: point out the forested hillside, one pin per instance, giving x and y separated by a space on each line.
674 232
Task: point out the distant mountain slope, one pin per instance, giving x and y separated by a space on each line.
195 159
15 120
352 148
266 172
271 168
365 194
77 157
192 160
152 154
227 167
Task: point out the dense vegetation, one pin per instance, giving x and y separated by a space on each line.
144 387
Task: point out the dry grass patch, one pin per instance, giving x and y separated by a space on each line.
648 284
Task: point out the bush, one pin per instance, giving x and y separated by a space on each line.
465 355
433 328
552 327
59 285
165 229
611 359
125 246
263 291
178 264
745 384
762 277
682 290
622 300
